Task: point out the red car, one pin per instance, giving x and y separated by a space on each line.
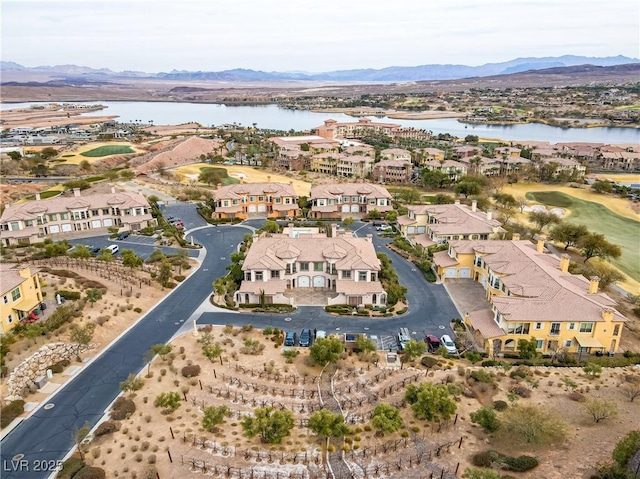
433 343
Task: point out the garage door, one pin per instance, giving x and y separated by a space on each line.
303 281
465 273
355 208
108 222
318 281
252 209
95 224
345 208
262 208
450 273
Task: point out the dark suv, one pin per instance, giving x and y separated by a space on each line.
305 338
290 339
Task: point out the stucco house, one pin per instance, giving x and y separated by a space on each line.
73 216
20 292
429 225
392 171
348 199
531 294
246 200
341 269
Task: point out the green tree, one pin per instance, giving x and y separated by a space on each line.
386 419
391 216
568 233
626 448
131 259
326 350
15 155
48 153
487 418
430 402
270 424
473 473
602 187
132 383
155 256
375 215
94 295
348 221
592 370
326 424
169 401
127 175
442 199
608 274
414 349
467 188
505 200
540 219
106 256
83 334
527 348
210 348
213 417
600 410
164 275
365 344
270 226
80 251
161 350
531 424
595 245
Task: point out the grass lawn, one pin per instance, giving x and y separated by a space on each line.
625 232
108 150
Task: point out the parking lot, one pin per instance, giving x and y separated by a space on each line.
136 239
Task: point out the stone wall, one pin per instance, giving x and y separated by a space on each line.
37 364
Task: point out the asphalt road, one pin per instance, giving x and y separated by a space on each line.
48 434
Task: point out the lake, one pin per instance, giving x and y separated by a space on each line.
273 117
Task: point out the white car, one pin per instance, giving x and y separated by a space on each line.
448 344
320 334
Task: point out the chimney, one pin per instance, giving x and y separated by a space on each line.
489 215
291 183
38 196
474 205
564 263
607 314
76 192
370 238
540 244
334 230
457 202
268 178
515 237
594 282
218 186
113 189
242 180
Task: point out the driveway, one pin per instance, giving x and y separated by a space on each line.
469 296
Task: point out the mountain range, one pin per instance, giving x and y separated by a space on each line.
15 72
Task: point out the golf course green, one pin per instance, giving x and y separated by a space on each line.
108 150
625 232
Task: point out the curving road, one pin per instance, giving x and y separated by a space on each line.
48 434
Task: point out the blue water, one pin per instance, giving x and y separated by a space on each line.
273 117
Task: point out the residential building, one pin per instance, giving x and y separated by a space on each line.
356 166
427 154
348 200
65 217
326 163
568 166
355 129
341 269
429 225
531 294
246 200
396 154
20 292
392 171
452 168
310 143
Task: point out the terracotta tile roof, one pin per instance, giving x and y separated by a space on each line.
424 240
457 219
442 259
405 220
397 163
356 287
349 189
483 321
255 189
10 277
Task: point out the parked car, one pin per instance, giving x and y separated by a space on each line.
447 342
114 248
403 338
377 225
305 338
290 338
124 235
95 249
433 343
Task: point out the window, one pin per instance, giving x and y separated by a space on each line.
235 202
95 212
362 276
252 199
278 201
318 266
260 198
225 203
571 326
53 217
28 223
15 226
15 294
290 269
346 274
304 266
5 299
538 326
517 328
247 276
372 201
354 199
568 343
105 211
374 277
275 274
616 330
259 276
539 343
287 201
555 329
586 327
345 199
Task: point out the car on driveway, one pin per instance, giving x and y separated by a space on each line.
305 338
290 338
447 342
433 343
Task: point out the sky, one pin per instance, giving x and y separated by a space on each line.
312 36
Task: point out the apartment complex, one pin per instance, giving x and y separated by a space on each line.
246 200
21 294
532 295
340 269
392 171
355 129
429 225
73 216
348 199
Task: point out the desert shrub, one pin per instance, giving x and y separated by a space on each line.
137 310
56 368
626 448
70 467
473 356
576 396
71 295
486 417
484 458
500 405
520 463
482 376
531 425
522 391
90 472
122 408
428 362
470 473
106 427
179 278
191 371
252 346
247 327
10 412
520 372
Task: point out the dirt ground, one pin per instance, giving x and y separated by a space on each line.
243 382
43 118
